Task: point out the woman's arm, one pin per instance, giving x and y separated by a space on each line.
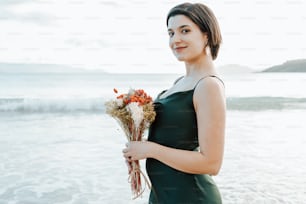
209 103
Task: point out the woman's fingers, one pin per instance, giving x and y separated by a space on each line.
127 154
131 152
128 158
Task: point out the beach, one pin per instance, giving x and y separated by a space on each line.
58 146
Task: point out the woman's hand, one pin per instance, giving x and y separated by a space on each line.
137 150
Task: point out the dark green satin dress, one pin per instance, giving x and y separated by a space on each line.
176 126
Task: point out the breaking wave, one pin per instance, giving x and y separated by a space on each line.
42 105
96 105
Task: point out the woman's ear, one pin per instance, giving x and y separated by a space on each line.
207 50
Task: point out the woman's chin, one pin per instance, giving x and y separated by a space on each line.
180 58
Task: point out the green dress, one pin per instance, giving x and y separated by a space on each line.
176 126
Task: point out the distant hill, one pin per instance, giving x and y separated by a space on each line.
234 69
42 68
289 66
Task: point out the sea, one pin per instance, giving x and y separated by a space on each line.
57 145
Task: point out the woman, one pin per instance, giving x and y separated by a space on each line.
186 141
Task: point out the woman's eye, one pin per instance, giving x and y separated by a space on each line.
185 31
170 34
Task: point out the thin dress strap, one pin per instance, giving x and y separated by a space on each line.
206 77
178 79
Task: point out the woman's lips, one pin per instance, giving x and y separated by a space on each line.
179 49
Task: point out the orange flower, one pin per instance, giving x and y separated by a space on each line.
138 96
120 96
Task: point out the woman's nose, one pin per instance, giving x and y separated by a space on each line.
176 38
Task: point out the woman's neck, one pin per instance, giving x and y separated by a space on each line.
201 67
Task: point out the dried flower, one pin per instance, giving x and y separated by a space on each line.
136 113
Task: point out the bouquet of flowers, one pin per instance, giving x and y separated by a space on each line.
134 112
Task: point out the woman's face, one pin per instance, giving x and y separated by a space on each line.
186 40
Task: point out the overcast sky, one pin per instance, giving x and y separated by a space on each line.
131 35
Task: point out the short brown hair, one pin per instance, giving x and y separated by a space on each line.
205 19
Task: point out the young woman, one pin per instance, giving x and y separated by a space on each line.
186 141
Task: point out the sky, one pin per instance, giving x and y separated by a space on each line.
125 36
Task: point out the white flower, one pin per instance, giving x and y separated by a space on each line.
136 113
131 91
119 102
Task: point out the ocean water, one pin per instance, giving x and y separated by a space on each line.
57 146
